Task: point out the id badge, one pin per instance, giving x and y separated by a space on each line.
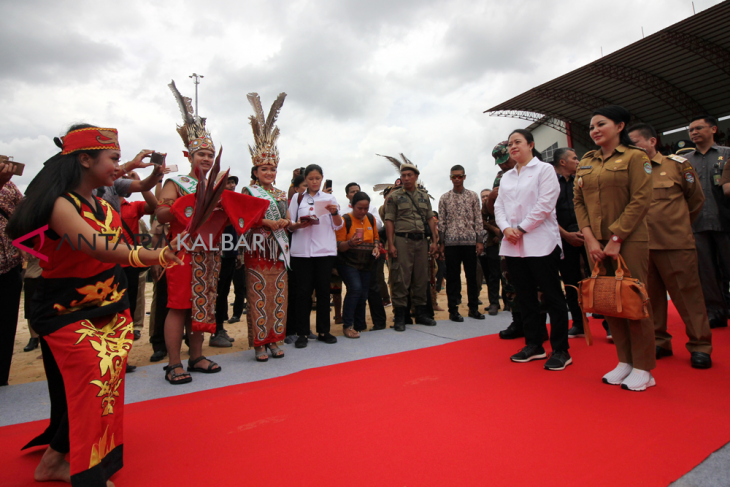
716 179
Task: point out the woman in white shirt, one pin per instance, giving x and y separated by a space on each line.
313 254
525 212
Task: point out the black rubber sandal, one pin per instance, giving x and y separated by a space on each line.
173 378
208 370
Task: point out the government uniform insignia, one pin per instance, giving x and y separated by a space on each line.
720 158
580 182
677 158
689 177
647 167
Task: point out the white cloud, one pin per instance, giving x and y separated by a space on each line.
362 78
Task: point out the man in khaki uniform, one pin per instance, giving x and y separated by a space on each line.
407 212
677 200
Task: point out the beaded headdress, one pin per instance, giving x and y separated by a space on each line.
264 152
192 132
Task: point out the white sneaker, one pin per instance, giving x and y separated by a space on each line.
638 380
617 375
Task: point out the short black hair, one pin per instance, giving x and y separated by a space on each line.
458 167
234 178
360 196
297 181
313 167
559 153
709 119
529 138
350 185
646 130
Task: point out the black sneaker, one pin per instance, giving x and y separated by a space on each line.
528 353
327 338
301 342
456 317
513 331
608 330
558 360
234 319
576 331
474 313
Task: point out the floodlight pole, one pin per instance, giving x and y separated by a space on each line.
196 79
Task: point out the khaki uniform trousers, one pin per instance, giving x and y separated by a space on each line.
634 339
676 271
409 272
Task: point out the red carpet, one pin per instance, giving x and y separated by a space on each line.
457 414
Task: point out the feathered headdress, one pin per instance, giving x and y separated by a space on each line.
399 166
192 132
264 151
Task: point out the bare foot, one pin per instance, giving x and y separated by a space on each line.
53 466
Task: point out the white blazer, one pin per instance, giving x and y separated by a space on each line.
528 200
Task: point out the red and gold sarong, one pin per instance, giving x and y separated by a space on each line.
92 357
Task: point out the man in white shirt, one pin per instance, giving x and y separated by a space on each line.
375 300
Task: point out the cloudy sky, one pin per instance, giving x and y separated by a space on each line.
362 77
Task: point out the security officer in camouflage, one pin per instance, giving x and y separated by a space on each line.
509 293
408 214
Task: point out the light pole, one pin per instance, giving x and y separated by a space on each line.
196 80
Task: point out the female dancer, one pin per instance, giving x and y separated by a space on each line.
80 307
613 192
358 248
313 250
525 212
267 250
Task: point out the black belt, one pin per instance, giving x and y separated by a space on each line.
411 236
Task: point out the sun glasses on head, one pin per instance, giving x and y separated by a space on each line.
458 176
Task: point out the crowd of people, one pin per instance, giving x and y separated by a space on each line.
537 232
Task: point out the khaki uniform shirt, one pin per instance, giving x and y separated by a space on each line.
399 209
613 196
677 200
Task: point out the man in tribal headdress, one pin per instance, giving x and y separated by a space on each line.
192 287
267 244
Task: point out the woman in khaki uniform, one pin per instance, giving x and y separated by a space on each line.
613 193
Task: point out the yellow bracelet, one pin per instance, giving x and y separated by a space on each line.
130 258
135 256
161 258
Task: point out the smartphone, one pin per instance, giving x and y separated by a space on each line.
301 171
171 168
157 158
328 184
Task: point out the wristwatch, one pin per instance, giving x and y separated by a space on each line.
521 229
615 238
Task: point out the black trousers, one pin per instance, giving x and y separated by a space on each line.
375 298
492 272
455 256
526 274
225 278
239 288
11 285
157 333
570 271
132 274
312 274
713 262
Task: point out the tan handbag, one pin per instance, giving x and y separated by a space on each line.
620 296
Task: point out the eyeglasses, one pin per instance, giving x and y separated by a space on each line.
458 176
697 128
